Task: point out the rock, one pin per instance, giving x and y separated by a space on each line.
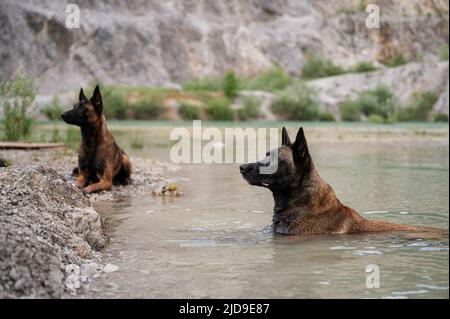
164 43
109 268
403 81
72 280
47 229
89 271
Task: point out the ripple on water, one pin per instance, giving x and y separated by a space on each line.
411 292
341 248
433 287
367 252
376 212
194 242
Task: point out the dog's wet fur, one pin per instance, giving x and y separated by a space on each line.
101 163
304 203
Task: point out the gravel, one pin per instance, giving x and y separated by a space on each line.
51 236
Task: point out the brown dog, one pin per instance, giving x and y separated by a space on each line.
100 161
304 203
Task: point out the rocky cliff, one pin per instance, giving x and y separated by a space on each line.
163 43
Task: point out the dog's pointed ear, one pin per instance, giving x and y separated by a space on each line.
285 140
300 148
96 100
81 96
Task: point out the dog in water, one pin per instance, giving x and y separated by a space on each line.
101 163
304 203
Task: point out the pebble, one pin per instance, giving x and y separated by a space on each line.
109 268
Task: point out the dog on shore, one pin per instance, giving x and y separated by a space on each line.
101 163
304 203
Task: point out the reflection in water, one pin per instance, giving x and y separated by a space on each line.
215 242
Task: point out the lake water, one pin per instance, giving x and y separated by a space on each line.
213 242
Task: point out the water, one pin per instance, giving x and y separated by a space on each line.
213 242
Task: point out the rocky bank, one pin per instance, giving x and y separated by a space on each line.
154 43
51 236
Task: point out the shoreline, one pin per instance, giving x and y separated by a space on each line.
51 235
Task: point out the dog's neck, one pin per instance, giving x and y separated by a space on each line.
92 132
311 195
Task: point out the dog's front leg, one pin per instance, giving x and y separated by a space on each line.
104 184
81 180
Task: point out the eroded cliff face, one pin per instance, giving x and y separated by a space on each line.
163 43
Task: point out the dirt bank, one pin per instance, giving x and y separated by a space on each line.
50 234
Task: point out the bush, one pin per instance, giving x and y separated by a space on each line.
53 110
362 5
440 117
149 107
207 83
297 102
380 101
350 111
364 66
317 67
230 85
397 60
189 112
375 118
16 97
219 110
250 109
270 80
326 117
419 108
115 105
443 54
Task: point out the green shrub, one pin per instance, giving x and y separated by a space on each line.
380 101
350 111
53 110
440 117
375 118
364 66
362 5
317 67
219 110
207 83
189 112
16 97
250 108
149 107
443 54
326 116
230 85
272 79
297 102
419 108
72 137
397 60
115 105
137 143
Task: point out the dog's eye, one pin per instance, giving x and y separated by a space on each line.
268 154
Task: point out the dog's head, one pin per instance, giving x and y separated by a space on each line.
86 111
294 162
